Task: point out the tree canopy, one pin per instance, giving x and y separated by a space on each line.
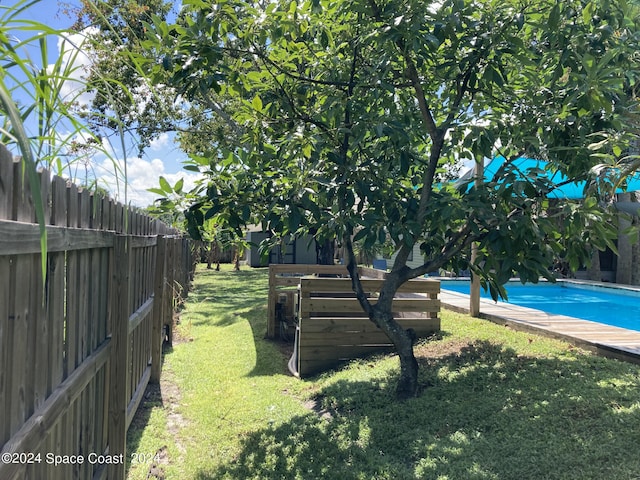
345 118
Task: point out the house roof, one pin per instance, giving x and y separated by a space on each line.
564 189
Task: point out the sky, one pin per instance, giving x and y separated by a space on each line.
163 157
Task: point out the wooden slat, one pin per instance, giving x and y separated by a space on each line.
71 313
6 184
317 365
280 269
20 363
310 340
286 281
158 314
119 358
345 352
6 338
352 305
369 285
337 325
6 296
346 335
17 238
56 288
138 395
40 336
85 323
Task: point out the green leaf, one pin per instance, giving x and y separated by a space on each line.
257 103
164 185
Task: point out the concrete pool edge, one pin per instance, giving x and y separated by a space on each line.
605 340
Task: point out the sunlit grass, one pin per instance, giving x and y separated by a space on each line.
495 404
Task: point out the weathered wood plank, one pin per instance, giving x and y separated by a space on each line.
138 395
40 336
323 358
56 288
119 358
281 269
21 369
158 314
347 305
6 296
369 285
20 358
6 338
18 238
316 325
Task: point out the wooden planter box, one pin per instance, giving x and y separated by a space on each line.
331 326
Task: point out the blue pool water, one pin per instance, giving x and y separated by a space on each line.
610 305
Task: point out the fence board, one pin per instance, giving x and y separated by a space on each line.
6 334
351 305
56 284
119 359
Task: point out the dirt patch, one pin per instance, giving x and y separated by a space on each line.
430 350
171 401
155 470
167 395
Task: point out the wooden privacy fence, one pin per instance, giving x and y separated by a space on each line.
78 347
331 326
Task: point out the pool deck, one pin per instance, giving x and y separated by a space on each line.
605 340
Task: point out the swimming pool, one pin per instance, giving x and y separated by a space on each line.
604 304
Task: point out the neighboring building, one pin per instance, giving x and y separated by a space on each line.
300 250
415 258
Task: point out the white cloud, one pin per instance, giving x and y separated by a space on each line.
161 142
76 60
141 175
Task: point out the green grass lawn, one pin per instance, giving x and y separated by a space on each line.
495 404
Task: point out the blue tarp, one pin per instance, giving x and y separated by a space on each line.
573 190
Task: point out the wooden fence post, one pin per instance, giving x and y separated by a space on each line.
119 358
159 292
170 286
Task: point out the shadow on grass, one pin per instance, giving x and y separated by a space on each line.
225 298
486 413
233 293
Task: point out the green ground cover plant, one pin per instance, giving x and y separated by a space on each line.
494 404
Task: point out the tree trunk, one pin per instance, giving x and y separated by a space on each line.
236 259
325 252
381 314
403 341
